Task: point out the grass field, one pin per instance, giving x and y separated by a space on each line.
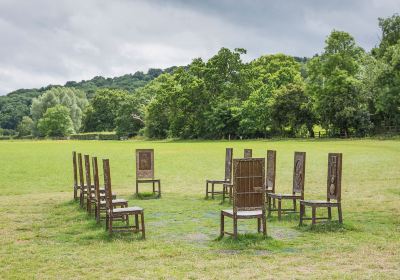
44 234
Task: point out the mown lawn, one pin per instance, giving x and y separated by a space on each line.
44 234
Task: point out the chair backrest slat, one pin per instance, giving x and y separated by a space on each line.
334 180
80 169
88 176
248 153
107 184
299 169
96 180
228 164
248 184
144 163
271 170
75 169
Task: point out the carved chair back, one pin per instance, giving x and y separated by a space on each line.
248 153
75 169
144 163
271 171
334 180
107 184
228 164
299 168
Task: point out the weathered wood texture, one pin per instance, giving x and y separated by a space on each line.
248 194
248 153
333 192
299 165
226 180
118 214
145 170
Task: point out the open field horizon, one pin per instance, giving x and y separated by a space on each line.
44 234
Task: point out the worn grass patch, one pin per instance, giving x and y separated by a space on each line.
45 235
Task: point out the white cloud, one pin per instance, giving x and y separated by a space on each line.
46 41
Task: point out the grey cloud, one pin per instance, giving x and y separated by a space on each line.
46 41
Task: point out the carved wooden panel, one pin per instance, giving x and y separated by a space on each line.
271 170
107 183
96 181
80 169
334 179
248 184
228 164
299 172
88 175
248 153
144 163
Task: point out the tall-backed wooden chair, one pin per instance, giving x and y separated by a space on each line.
113 214
76 186
297 189
100 202
145 170
248 153
271 174
82 186
90 191
226 180
248 195
333 192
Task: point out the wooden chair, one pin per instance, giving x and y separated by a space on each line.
333 192
227 187
90 192
248 153
82 186
99 200
228 176
145 170
248 194
271 174
113 214
298 187
76 186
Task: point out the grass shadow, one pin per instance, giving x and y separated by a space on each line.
145 196
327 227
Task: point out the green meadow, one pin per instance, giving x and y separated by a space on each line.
45 235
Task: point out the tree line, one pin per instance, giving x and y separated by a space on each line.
344 90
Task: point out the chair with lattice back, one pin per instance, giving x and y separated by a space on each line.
333 192
248 195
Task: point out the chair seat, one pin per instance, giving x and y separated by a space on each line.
283 196
127 210
217 181
115 201
243 214
320 203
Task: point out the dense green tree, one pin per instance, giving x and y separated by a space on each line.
104 109
56 122
73 99
334 82
130 116
25 127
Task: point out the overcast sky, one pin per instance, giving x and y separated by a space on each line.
53 41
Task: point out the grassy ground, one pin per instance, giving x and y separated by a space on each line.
44 234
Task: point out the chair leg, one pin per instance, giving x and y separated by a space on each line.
223 192
107 221
137 221
230 194
235 231
143 228
274 203
259 225
222 225
154 188
206 189
212 190
264 223
110 220
96 212
137 188
269 206
294 205
314 212
329 213
159 188
340 213
75 193
302 209
279 209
